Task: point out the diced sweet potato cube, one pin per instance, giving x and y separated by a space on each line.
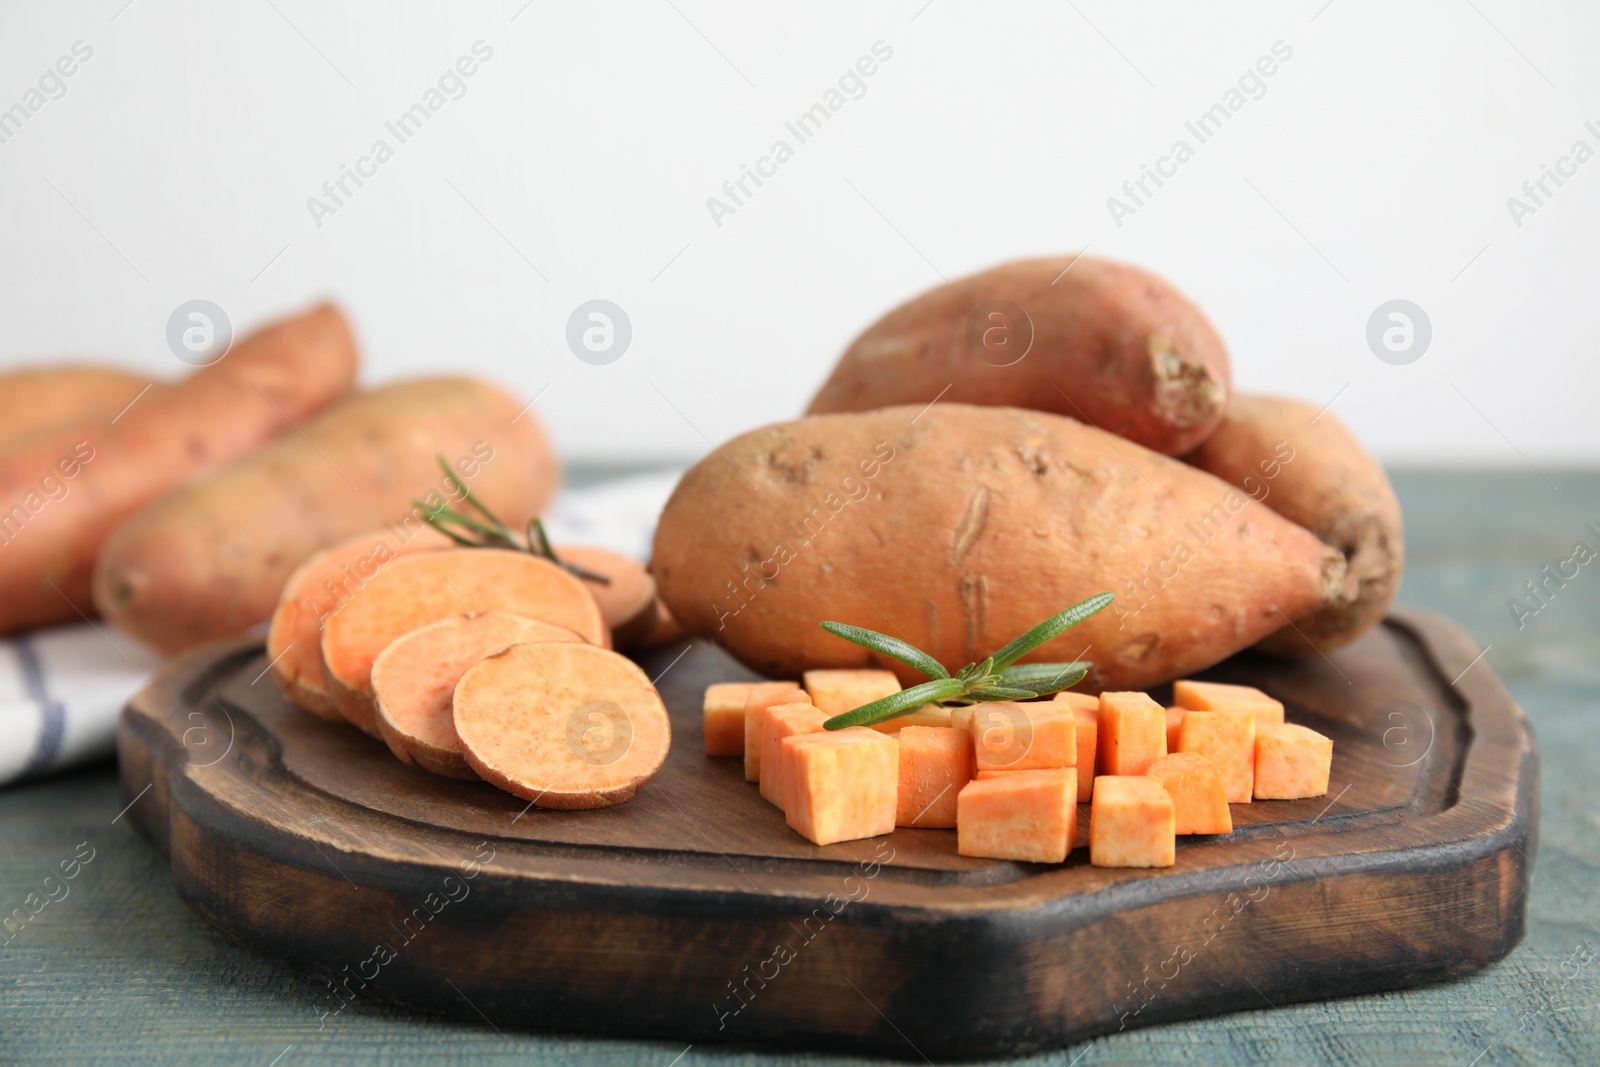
1133 733
935 763
1216 696
723 715
778 722
1228 739
1022 815
927 715
1291 762
1024 737
762 697
1174 723
841 784
1087 710
1199 801
839 691
1131 822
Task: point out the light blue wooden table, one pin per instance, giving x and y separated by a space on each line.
120 972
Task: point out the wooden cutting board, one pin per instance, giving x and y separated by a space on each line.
694 912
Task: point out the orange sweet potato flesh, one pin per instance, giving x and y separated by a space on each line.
412 591
33 399
210 559
1022 815
1174 727
1326 482
1087 710
935 765
414 681
1193 695
1007 736
966 526
839 691
562 725
315 590
1292 762
722 717
1199 798
628 601
1228 739
1132 733
840 785
1112 345
1131 823
778 722
282 374
756 702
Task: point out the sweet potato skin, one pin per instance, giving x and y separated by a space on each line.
210 558
959 527
33 399
1332 487
1112 345
280 375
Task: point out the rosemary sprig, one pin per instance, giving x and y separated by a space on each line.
490 532
998 677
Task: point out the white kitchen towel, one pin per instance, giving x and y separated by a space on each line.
61 689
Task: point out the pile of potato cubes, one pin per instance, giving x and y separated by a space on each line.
1008 777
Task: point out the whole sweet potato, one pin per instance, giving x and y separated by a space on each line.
1321 478
35 398
210 559
959 527
1102 342
65 488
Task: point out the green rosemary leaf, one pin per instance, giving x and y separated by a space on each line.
892 647
1001 692
539 541
896 704
467 494
493 536
539 545
1044 678
432 519
1051 627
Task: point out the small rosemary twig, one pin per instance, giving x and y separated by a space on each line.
490 532
996 678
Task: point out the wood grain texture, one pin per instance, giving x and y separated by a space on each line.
668 916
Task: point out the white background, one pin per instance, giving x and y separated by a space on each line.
1377 165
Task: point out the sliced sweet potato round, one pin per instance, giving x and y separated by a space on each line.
413 591
562 725
314 591
414 679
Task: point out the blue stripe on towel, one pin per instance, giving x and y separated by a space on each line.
54 712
